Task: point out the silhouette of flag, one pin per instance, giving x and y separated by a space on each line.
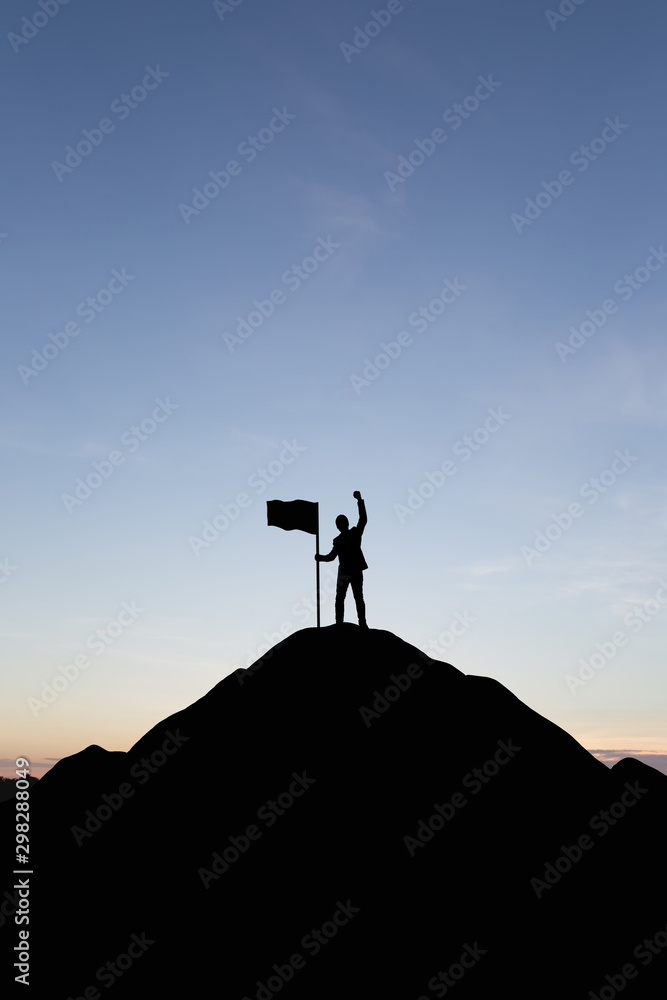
300 514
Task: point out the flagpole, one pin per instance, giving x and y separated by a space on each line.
317 563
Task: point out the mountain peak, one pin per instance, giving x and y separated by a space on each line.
348 811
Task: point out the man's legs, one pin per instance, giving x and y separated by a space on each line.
357 582
341 590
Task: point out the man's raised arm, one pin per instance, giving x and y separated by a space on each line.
363 519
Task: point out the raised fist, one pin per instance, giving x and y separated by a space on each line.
357 495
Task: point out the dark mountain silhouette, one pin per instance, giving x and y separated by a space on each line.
348 818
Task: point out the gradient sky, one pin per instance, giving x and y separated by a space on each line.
578 97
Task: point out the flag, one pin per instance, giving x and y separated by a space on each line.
301 514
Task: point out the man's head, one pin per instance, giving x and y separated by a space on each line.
342 522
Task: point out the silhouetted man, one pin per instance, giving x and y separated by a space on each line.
351 562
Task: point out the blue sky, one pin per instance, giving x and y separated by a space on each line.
406 224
